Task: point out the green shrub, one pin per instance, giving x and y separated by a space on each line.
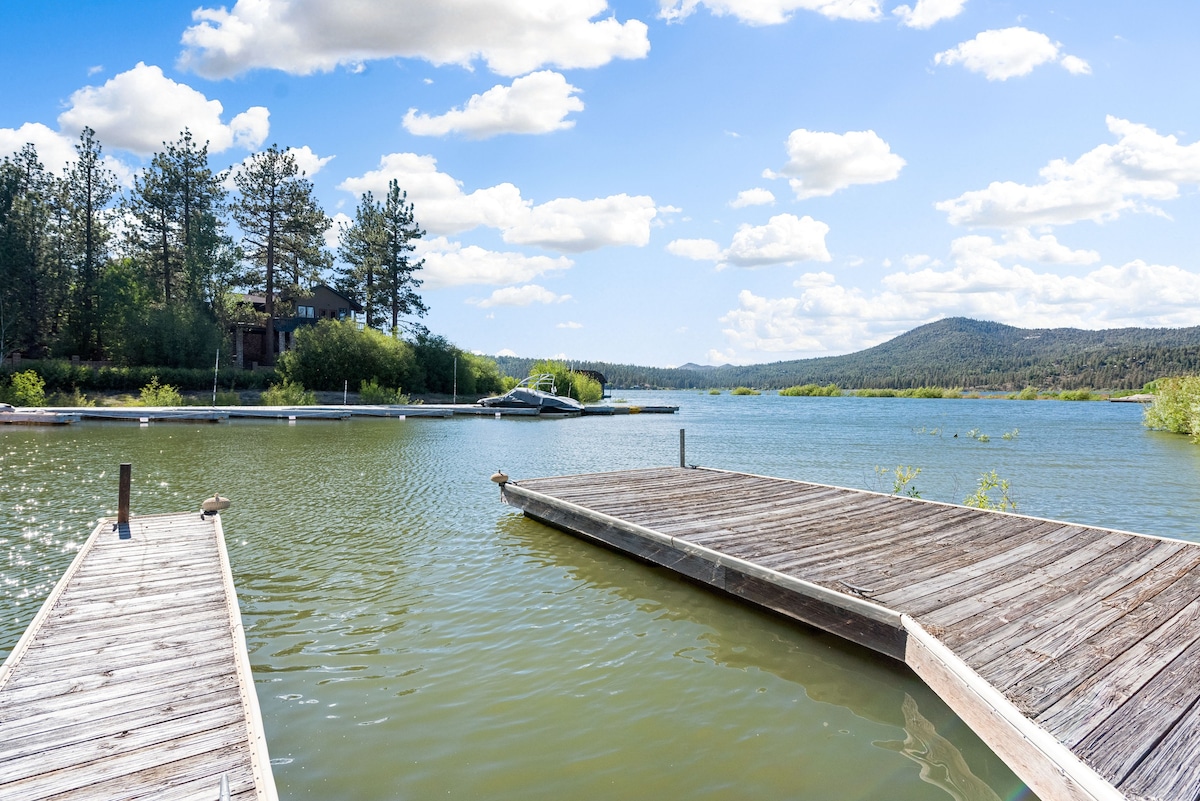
812 390
1176 406
744 391
28 389
228 399
289 393
332 352
369 392
714 392
875 393
156 394
1078 395
72 398
1029 393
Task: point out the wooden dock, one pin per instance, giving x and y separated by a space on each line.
1071 650
133 680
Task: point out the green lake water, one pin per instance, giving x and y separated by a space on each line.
413 638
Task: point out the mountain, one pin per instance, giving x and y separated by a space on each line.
954 352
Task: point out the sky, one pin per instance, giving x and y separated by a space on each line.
668 181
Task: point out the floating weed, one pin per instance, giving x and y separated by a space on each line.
1010 435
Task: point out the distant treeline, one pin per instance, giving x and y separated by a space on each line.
955 352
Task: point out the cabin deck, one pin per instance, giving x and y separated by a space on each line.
133 680
1071 650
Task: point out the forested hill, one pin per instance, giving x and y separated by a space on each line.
955 352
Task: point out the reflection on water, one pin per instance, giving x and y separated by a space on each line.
413 638
941 763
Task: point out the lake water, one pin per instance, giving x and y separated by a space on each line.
413 638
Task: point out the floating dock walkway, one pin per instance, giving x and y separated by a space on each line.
1071 650
133 680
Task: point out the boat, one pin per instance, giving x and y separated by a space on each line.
535 392
34 417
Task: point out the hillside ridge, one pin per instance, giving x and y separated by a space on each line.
952 352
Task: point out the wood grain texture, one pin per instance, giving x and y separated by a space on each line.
1088 635
131 681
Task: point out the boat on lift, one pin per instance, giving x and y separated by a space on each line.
535 392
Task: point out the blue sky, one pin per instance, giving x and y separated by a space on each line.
667 181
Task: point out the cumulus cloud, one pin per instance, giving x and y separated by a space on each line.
927 13
535 104
821 163
565 224
54 150
783 240
451 264
520 296
1100 185
770 12
1018 245
1009 53
306 36
825 317
140 109
753 197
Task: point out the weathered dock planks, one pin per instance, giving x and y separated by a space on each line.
1070 650
133 680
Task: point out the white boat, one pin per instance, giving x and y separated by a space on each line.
34 417
535 392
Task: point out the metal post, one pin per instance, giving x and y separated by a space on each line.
123 494
682 449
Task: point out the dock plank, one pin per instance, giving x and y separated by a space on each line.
132 681
1070 649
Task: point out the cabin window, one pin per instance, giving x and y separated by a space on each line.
307 311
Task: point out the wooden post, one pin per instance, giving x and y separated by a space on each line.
123 496
682 450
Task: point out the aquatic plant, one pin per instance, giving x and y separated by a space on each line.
714 392
982 498
744 391
902 477
1029 393
1176 406
1078 395
812 390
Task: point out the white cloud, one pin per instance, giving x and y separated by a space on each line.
140 109
928 13
821 163
1100 185
573 225
753 197
306 36
1019 245
54 150
570 325
309 162
520 296
770 12
783 240
565 224
506 352
334 231
695 249
1009 53
452 264
826 317
535 104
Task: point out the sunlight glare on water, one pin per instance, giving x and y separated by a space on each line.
414 638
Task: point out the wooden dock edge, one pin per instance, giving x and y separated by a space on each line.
858 620
260 759
14 656
1049 768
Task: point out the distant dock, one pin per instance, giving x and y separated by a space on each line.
1070 650
133 680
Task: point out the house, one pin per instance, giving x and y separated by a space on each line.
322 302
